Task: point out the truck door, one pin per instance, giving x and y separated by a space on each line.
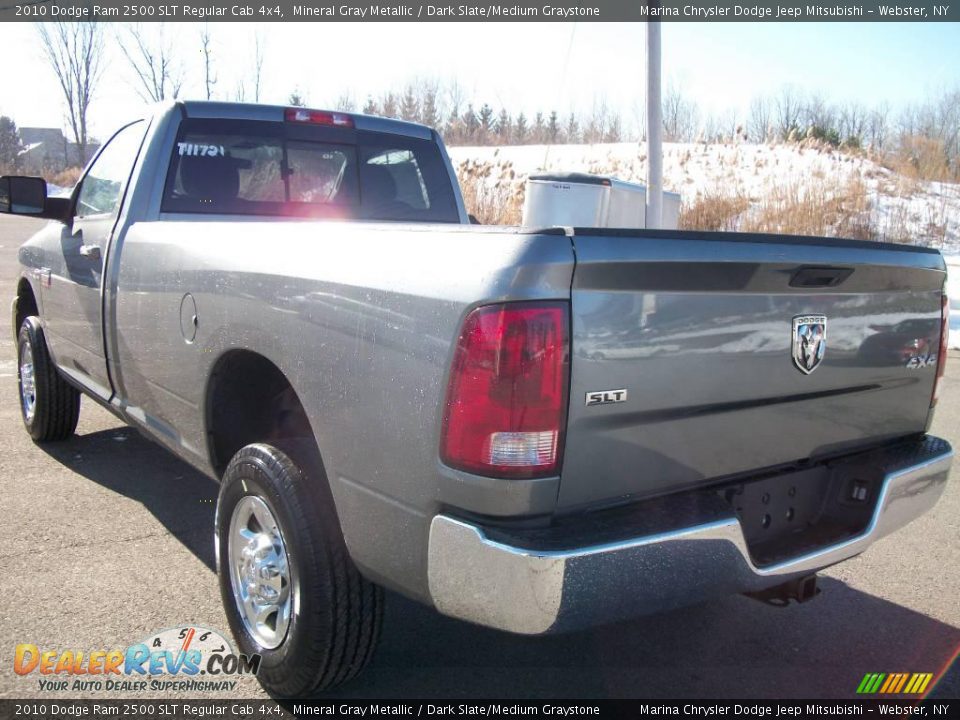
73 301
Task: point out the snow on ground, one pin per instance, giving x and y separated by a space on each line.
925 213
953 290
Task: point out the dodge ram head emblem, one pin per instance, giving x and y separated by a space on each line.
809 341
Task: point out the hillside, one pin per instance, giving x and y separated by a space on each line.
802 188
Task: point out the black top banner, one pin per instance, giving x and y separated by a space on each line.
476 11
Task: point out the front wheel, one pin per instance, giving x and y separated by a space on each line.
49 405
290 591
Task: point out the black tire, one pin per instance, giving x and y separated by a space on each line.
56 406
333 635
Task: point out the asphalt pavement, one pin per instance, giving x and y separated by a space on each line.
109 539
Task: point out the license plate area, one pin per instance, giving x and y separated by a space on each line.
787 515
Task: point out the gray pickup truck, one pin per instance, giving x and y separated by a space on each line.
531 429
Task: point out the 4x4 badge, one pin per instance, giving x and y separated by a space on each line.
809 341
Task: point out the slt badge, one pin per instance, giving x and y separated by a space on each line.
809 341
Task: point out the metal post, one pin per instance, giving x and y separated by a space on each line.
654 209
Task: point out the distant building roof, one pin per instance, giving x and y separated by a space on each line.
31 135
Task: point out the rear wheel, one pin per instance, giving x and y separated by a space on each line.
290 591
49 405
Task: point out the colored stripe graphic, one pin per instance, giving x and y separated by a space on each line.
927 677
894 683
903 681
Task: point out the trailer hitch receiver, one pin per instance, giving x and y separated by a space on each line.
800 589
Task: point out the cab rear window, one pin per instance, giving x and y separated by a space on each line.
263 168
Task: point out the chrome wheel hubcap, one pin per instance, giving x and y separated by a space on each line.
260 572
28 384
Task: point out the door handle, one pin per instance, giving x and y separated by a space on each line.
90 251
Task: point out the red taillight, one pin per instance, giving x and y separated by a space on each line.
507 399
942 355
318 117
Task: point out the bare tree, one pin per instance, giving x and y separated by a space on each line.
259 46
853 122
817 112
345 102
153 62
453 126
878 124
681 117
760 119
789 107
75 52
595 130
209 77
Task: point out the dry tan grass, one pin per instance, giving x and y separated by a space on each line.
713 211
840 210
492 191
825 207
64 178
920 158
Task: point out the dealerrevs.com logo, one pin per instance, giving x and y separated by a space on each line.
188 659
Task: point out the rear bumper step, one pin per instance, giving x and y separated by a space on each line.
535 584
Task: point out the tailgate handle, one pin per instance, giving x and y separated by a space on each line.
819 277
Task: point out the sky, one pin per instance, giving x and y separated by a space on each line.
523 66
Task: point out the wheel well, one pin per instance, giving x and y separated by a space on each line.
26 304
250 400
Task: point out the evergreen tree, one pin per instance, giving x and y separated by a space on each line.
486 123
553 127
296 99
504 128
10 145
409 105
470 124
429 113
572 132
539 129
370 107
389 105
452 132
520 129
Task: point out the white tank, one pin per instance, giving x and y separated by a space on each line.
582 200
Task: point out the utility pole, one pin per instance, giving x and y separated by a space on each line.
654 209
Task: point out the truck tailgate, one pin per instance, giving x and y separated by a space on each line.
699 329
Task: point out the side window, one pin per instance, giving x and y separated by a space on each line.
102 187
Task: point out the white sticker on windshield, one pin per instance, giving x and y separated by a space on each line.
198 150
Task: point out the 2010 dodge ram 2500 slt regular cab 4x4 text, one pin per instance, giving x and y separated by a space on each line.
534 430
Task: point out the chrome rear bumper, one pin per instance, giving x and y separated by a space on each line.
527 590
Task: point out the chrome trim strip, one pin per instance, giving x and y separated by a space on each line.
528 591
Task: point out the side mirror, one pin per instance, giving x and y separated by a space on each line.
23 195
28 196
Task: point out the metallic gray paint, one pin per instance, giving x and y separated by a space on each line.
700 334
